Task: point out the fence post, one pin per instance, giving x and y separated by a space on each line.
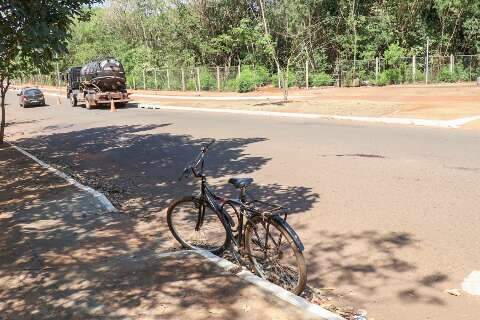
414 69
144 83
306 74
155 78
218 78
134 86
427 60
168 79
238 70
183 79
452 62
197 70
377 67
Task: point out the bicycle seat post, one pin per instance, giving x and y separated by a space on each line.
243 194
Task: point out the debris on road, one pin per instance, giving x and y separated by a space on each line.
454 292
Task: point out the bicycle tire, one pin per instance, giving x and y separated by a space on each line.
261 265
219 239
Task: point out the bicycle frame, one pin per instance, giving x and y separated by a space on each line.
207 195
218 203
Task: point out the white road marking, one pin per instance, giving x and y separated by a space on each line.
456 123
102 199
471 284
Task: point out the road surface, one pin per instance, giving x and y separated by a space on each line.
388 214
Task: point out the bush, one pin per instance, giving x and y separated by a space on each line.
207 80
246 81
262 76
231 85
390 76
446 76
382 79
292 79
321 79
191 85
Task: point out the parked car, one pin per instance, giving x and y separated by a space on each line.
31 97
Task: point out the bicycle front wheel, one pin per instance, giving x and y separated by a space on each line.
195 225
274 254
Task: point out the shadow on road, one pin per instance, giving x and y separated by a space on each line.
138 168
59 259
368 263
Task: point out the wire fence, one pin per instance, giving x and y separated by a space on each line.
377 71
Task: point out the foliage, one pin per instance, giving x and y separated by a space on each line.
458 74
262 76
394 53
321 79
246 81
33 33
272 35
207 80
292 79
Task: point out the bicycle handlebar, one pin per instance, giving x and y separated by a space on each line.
192 166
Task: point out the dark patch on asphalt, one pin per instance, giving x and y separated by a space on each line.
361 155
276 103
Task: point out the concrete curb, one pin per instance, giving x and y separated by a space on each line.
456 123
279 292
100 197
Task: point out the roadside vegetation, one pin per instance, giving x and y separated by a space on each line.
274 42
29 43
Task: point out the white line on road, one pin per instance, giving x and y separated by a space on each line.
102 199
411 121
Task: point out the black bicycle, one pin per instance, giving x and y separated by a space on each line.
256 232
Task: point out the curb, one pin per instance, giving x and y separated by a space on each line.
279 292
100 197
456 123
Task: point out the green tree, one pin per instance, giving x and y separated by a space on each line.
33 34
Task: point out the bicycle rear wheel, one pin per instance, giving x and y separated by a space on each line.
274 254
183 218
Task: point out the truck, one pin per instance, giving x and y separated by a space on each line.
99 82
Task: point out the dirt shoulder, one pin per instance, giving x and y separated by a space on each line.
436 102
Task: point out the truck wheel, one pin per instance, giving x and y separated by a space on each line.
73 100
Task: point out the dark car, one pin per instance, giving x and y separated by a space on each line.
31 97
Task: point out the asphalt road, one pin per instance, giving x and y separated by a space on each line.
388 214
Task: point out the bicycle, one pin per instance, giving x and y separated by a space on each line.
249 228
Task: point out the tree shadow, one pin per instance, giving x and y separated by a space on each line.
369 262
61 259
138 168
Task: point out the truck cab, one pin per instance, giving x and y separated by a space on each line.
72 78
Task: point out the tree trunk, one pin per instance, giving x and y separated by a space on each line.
2 125
285 84
3 93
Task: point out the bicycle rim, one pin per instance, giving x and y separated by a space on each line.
183 218
275 257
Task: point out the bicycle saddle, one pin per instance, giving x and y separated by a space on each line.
240 182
